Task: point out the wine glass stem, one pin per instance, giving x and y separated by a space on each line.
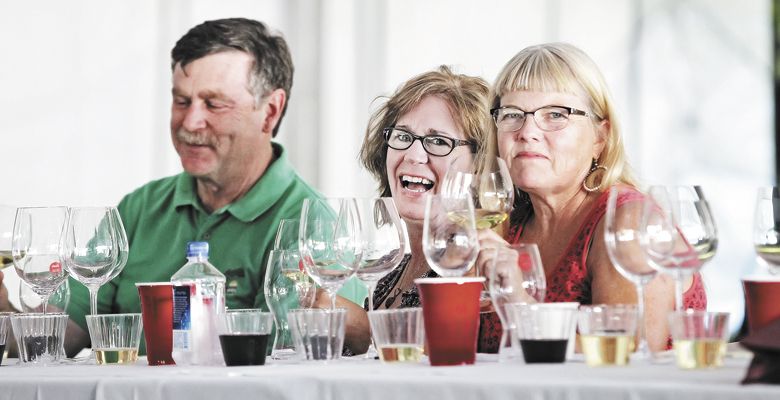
371 287
45 302
332 300
678 292
643 349
93 292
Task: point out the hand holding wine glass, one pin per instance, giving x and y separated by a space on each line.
35 248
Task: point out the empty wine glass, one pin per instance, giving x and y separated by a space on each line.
450 243
678 232
382 240
90 248
766 227
329 242
7 217
35 248
514 276
286 287
622 237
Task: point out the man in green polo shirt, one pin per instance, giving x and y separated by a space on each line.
231 83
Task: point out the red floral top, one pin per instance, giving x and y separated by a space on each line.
570 280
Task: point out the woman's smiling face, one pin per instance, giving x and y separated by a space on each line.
412 173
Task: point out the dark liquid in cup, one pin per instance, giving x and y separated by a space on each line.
244 349
2 352
319 347
36 346
544 350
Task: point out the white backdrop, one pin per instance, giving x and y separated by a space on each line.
85 103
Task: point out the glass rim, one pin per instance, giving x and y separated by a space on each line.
317 311
39 315
692 313
607 307
451 279
405 310
247 311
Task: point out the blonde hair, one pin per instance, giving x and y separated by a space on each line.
466 96
564 68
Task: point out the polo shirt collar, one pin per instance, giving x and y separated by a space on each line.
262 196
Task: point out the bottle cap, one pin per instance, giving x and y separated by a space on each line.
197 249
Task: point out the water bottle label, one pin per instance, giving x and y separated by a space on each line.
182 316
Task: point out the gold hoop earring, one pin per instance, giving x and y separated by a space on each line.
596 174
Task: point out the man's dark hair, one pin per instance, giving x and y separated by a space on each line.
273 67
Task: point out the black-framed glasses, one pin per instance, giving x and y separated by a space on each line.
435 145
548 118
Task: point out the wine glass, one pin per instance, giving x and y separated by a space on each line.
35 248
766 227
513 270
329 242
622 237
286 287
382 240
7 216
450 243
90 248
678 232
490 187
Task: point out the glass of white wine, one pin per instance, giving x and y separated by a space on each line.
766 227
490 187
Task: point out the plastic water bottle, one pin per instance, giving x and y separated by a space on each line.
198 299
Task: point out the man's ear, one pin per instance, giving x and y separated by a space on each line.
274 104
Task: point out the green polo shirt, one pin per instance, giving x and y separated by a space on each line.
162 216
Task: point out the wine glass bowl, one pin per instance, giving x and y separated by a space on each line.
329 242
678 232
450 243
490 187
382 241
35 248
766 228
90 247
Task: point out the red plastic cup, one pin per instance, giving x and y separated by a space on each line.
762 297
157 315
451 313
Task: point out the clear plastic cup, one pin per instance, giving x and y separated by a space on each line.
40 337
607 333
544 330
318 334
244 336
699 338
399 334
115 337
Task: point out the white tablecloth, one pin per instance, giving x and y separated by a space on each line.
369 379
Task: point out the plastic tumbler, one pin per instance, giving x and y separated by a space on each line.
451 318
157 314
